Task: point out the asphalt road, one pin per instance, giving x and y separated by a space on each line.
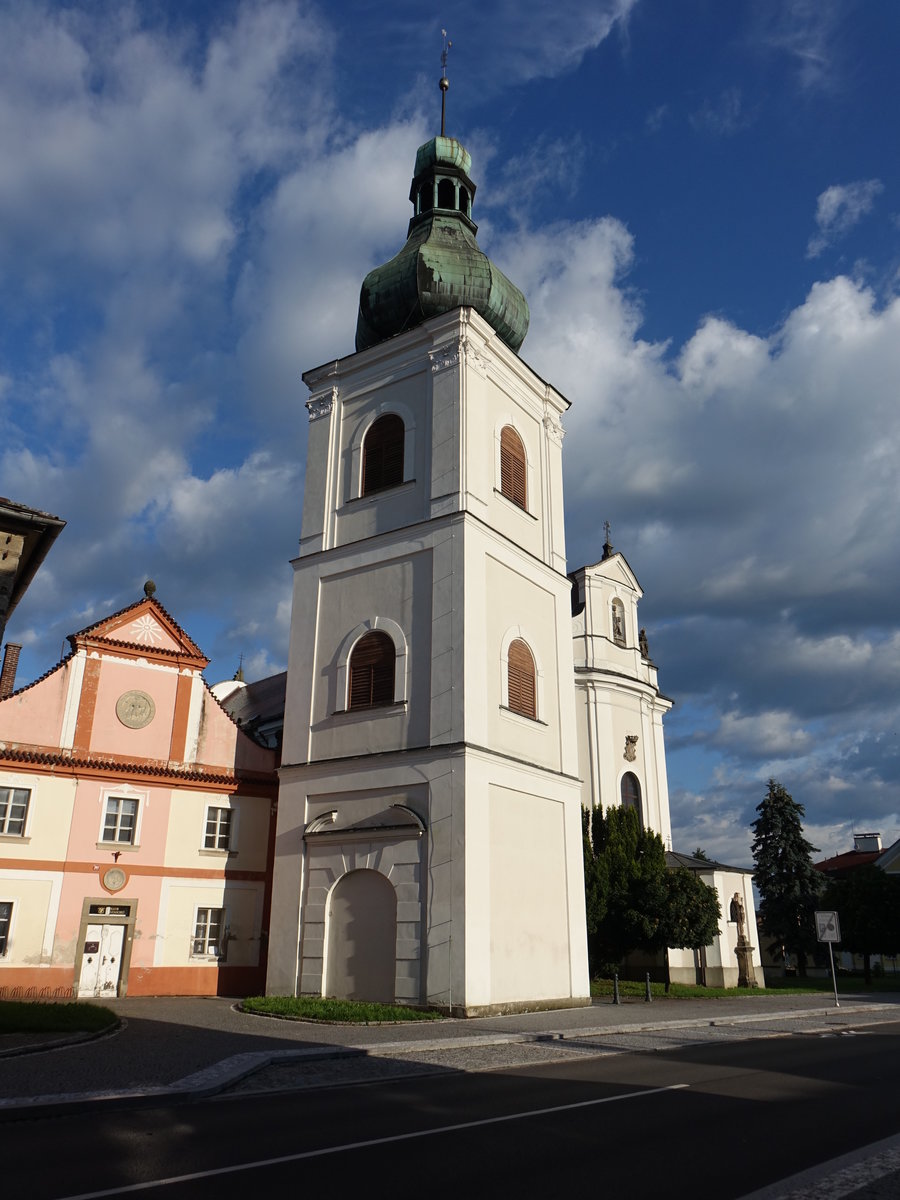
717 1119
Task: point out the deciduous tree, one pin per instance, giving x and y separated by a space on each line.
868 904
633 901
692 911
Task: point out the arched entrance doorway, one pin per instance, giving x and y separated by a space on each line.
362 938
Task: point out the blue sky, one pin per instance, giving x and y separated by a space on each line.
701 202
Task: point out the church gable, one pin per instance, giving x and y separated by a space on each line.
144 626
616 572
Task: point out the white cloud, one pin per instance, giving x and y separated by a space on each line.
839 208
772 734
724 116
806 31
520 43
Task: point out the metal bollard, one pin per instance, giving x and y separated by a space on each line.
616 988
648 995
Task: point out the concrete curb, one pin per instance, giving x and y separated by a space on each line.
215 1078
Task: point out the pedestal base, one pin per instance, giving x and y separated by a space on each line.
746 974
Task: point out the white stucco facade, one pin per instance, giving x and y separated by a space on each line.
619 721
469 809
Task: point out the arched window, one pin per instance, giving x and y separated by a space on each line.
631 794
521 678
383 454
618 622
371 672
512 467
426 197
464 202
446 194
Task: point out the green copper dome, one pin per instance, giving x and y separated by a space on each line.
440 267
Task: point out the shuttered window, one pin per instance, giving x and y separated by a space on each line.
372 672
383 455
522 691
512 467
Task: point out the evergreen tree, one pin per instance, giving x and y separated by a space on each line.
788 883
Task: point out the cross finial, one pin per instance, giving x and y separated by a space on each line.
607 545
445 82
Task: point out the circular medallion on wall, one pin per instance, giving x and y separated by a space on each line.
114 879
135 709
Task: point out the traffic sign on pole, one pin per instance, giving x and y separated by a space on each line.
828 927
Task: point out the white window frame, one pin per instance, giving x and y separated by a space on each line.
13 906
222 940
12 788
122 793
514 423
401 660
234 814
517 633
386 407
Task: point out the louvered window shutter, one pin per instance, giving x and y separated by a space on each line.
383 454
512 467
372 672
522 692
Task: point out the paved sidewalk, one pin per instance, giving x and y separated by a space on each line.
200 1046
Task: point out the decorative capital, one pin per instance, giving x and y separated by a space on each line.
474 352
321 405
554 428
631 741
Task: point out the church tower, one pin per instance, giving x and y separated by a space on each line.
428 844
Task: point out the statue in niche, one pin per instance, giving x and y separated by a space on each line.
618 622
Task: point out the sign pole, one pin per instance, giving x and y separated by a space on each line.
828 929
837 1003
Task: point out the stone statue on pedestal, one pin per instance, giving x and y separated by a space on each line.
743 950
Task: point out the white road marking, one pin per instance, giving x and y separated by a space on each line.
382 1141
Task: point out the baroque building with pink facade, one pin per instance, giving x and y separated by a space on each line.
136 823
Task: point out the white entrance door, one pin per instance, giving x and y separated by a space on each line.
101 960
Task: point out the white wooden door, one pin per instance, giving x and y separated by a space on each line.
101 960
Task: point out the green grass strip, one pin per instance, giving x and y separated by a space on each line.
788 986
318 1008
18 1016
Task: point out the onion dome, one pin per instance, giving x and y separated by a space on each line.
440 267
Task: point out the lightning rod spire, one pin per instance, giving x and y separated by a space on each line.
445 82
